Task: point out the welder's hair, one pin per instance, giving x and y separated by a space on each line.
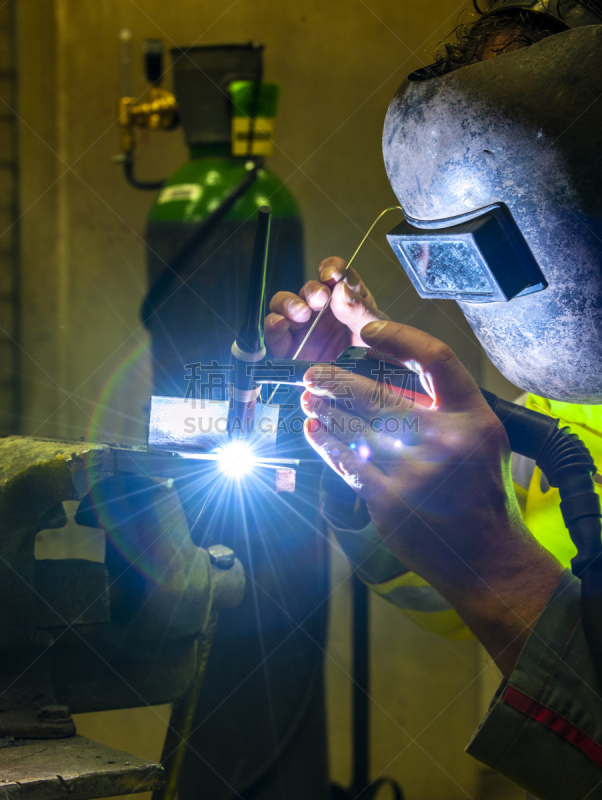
563 5
505 30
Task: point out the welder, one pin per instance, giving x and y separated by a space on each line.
494 155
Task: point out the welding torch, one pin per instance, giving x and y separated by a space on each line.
248 347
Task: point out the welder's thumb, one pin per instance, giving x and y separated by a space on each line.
353 309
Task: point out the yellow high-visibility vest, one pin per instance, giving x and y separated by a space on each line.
541 504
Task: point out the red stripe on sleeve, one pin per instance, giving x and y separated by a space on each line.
549 719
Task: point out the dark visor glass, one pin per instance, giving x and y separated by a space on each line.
482 260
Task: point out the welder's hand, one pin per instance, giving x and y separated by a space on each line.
352 306
436 480
407 459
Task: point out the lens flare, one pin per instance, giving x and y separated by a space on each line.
236 459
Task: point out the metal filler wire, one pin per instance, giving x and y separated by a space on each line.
342 278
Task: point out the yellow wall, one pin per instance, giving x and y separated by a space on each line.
339 63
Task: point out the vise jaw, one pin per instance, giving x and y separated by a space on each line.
79 635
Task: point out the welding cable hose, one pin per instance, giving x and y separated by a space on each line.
568 466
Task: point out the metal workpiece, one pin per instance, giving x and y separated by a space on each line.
47 722
193 426
187 434
166 598
76 768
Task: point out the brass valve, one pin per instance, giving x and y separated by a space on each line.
158 112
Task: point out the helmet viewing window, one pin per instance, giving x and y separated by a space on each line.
483 259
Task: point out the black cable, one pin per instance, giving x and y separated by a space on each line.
128 171
361 787
360 688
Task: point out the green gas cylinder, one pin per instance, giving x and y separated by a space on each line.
201 227
200 305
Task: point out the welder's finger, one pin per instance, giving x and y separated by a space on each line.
362 395
352 309
363 476
278 337
357 285
291 306
332 269
315 294
452 387
380 435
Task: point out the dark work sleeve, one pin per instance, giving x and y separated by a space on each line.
543 729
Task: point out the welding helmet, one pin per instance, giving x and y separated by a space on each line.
498 169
